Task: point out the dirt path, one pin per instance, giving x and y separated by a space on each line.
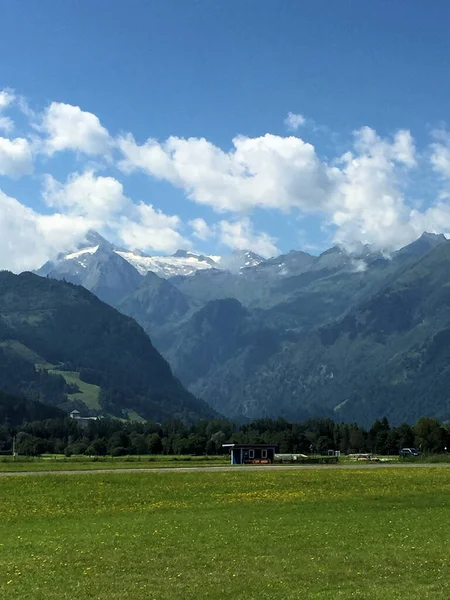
224 468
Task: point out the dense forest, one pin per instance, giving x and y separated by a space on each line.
40 429
50 329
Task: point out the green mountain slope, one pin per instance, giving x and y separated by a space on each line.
388 356
338 340
70 330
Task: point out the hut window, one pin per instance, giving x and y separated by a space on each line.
264 453
251 454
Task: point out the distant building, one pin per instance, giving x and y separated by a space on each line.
251 454
83 421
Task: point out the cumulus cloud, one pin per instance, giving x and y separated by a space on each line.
95 197
403 148
294 121
16 158
435 219
201 229
361 195
101 201
240 235
18 230
368 204
237 234
151 229
6 98
267 172
28 239
67 127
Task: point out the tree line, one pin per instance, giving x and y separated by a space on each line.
112 437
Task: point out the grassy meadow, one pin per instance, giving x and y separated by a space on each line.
89 393
59 462
237 535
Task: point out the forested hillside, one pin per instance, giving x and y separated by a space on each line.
355 337
54 334
15 411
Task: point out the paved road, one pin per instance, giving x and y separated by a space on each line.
225 468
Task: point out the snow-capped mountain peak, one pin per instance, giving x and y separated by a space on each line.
95 248
238 260
82 254
181 263
249 258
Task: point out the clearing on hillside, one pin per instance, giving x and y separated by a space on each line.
89 393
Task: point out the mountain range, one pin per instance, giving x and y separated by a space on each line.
112 273
353 335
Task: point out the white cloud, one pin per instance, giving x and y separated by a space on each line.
19 238
15 157
359 266
267 172
15 154
294 121
101 201
404 150
440 154
401 149
97 198
240 235
151 229
368 204
237 234
62 232
67 127
6 98
435 219
28 239
151 157
360 194
201 229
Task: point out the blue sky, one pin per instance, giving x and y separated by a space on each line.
364 157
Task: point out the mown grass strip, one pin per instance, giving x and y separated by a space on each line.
83 463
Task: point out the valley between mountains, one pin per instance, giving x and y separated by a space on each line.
349 335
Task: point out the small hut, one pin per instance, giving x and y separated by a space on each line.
251 454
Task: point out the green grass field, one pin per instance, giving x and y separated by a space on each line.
239 535
59 462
